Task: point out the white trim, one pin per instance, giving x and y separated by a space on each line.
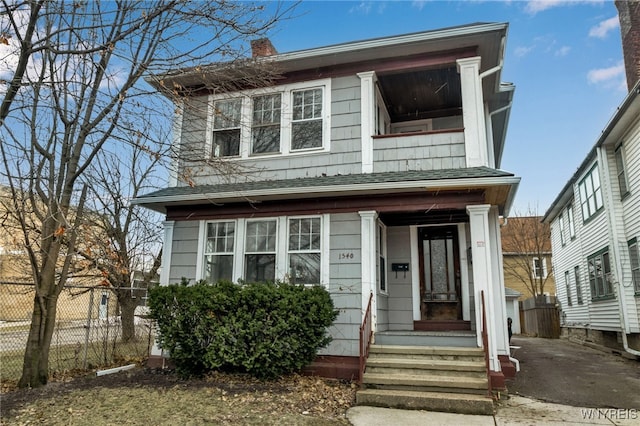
473 112
176 138
381 249
415 272
238 254
202 231
325 266
367 118
167 251
368 228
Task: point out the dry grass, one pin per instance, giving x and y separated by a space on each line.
146 398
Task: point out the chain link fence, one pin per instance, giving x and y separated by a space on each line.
88 330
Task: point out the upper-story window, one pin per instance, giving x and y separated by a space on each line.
590 193
539 267
572 225
622 178
226 128
283 120
600 274
561 228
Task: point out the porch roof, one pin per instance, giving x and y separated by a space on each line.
499 187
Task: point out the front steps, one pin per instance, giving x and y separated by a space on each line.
450 379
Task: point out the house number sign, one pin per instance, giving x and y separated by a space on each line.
345 255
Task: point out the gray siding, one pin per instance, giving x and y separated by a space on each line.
345 284
400 292
184 251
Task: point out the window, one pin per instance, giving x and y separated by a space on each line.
306 130
381 248
283 120
572 225
218 251
265 128
622 179
260 251
561 227
226 128
539 268
576 277
634 258
304 250
568 287
590 193
600 275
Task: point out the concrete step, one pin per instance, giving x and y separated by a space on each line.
433 401
388 365
427 338
424 382
426 352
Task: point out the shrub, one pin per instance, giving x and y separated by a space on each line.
266 330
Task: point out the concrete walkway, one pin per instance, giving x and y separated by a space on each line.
516 410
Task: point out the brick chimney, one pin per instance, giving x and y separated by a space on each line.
629 14
262 47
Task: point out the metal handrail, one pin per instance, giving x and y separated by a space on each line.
485 344
365 339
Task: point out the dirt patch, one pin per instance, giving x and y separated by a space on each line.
143 396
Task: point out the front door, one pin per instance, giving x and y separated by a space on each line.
439 273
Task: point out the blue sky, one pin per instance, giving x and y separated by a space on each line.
565 58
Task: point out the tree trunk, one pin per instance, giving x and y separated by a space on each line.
35 371
127 315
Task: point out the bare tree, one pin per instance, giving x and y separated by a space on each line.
76 91
526 247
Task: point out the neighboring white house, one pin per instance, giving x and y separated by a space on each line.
595 222
376 171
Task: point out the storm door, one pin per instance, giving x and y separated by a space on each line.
439 273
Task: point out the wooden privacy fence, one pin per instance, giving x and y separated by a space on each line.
541 317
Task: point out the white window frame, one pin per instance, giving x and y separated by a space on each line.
561 228
282 252
274 251
205 253
231 127
634 262
303 251
534 270
572 224
590 191
623 183
286 119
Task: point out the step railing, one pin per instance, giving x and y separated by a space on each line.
366 332
485 344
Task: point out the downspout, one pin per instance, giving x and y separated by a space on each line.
601 156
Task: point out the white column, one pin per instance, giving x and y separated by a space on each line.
165 270
415 273
368 261
483 275
367 118
473 112
497 284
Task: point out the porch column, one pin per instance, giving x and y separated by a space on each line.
368 262
499 298
165 270
473 113
367 118
483 275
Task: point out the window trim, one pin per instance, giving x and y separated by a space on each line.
534 270
636 282
619 156
216 253
286 119
585 197
570 219
307 251
606 295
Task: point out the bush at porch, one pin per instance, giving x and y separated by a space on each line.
266 330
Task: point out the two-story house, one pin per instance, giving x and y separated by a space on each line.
374 172
595 222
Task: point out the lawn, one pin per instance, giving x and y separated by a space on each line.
152 397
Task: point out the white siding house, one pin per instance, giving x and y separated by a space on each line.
383 156
596 262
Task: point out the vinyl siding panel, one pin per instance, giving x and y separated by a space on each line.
399 285
184 251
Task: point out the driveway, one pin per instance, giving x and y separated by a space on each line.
558 371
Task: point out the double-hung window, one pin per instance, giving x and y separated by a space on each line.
600 274
306 130
539 268
567 287
590 193
304 250
576 277
622 178
260 251
634 260
218 251
226 128
265 126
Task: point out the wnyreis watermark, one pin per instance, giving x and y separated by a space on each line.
610 413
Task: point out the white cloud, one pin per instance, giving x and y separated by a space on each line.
523 51
419 4
602 29
535 6
563 51
362 8
609 74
